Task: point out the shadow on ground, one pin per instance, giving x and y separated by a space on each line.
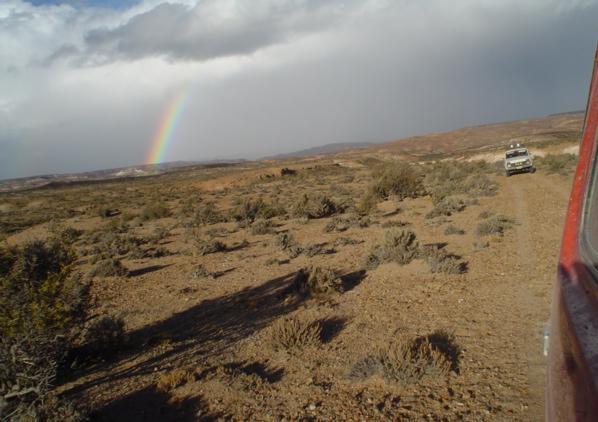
194 335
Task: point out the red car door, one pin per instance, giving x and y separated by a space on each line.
572 382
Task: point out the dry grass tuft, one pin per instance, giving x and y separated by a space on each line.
317 281
110 267
400 246
410 360
168 381
441 261
293 333
495 225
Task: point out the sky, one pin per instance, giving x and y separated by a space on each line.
88 84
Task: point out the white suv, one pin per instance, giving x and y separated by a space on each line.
518 160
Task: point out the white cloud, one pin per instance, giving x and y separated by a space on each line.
84 87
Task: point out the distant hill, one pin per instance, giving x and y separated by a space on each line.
556 127
121 173
324 149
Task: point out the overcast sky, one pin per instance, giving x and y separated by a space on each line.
83 83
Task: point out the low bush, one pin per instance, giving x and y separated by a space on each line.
199 272
292 334
284 241
314 206
109 267
399 179
249 210
205 247
450 229
155 211
410 360
168 381
447 207
557 163
441 261
341 224
316 281
261 226
105 337
495 225
400 246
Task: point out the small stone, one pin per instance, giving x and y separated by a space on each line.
311 406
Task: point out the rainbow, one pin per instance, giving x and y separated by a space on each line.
166 127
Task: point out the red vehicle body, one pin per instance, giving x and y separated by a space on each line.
572 388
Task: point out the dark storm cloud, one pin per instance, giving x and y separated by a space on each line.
208 30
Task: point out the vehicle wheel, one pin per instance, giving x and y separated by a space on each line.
508 173
533 170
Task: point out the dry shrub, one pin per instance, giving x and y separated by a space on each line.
168 381
495 225
345 241
447 206
314 206
205 213
262 226
341 224
109 267
155 211
314 249
317 281
368 203
247 211
410 360
205 247
398 179
199 272
451 229
284 241
441 261
448 178
485 214
557 163
394 223
105 337
400 246
294 333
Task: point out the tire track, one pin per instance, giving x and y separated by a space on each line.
539 204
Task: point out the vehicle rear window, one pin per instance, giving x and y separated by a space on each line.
589 227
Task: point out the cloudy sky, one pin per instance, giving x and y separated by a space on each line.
84 83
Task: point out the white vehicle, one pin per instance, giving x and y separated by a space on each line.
518 160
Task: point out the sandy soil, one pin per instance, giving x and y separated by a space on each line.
217 329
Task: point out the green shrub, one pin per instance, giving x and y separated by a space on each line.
43 305
400 246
